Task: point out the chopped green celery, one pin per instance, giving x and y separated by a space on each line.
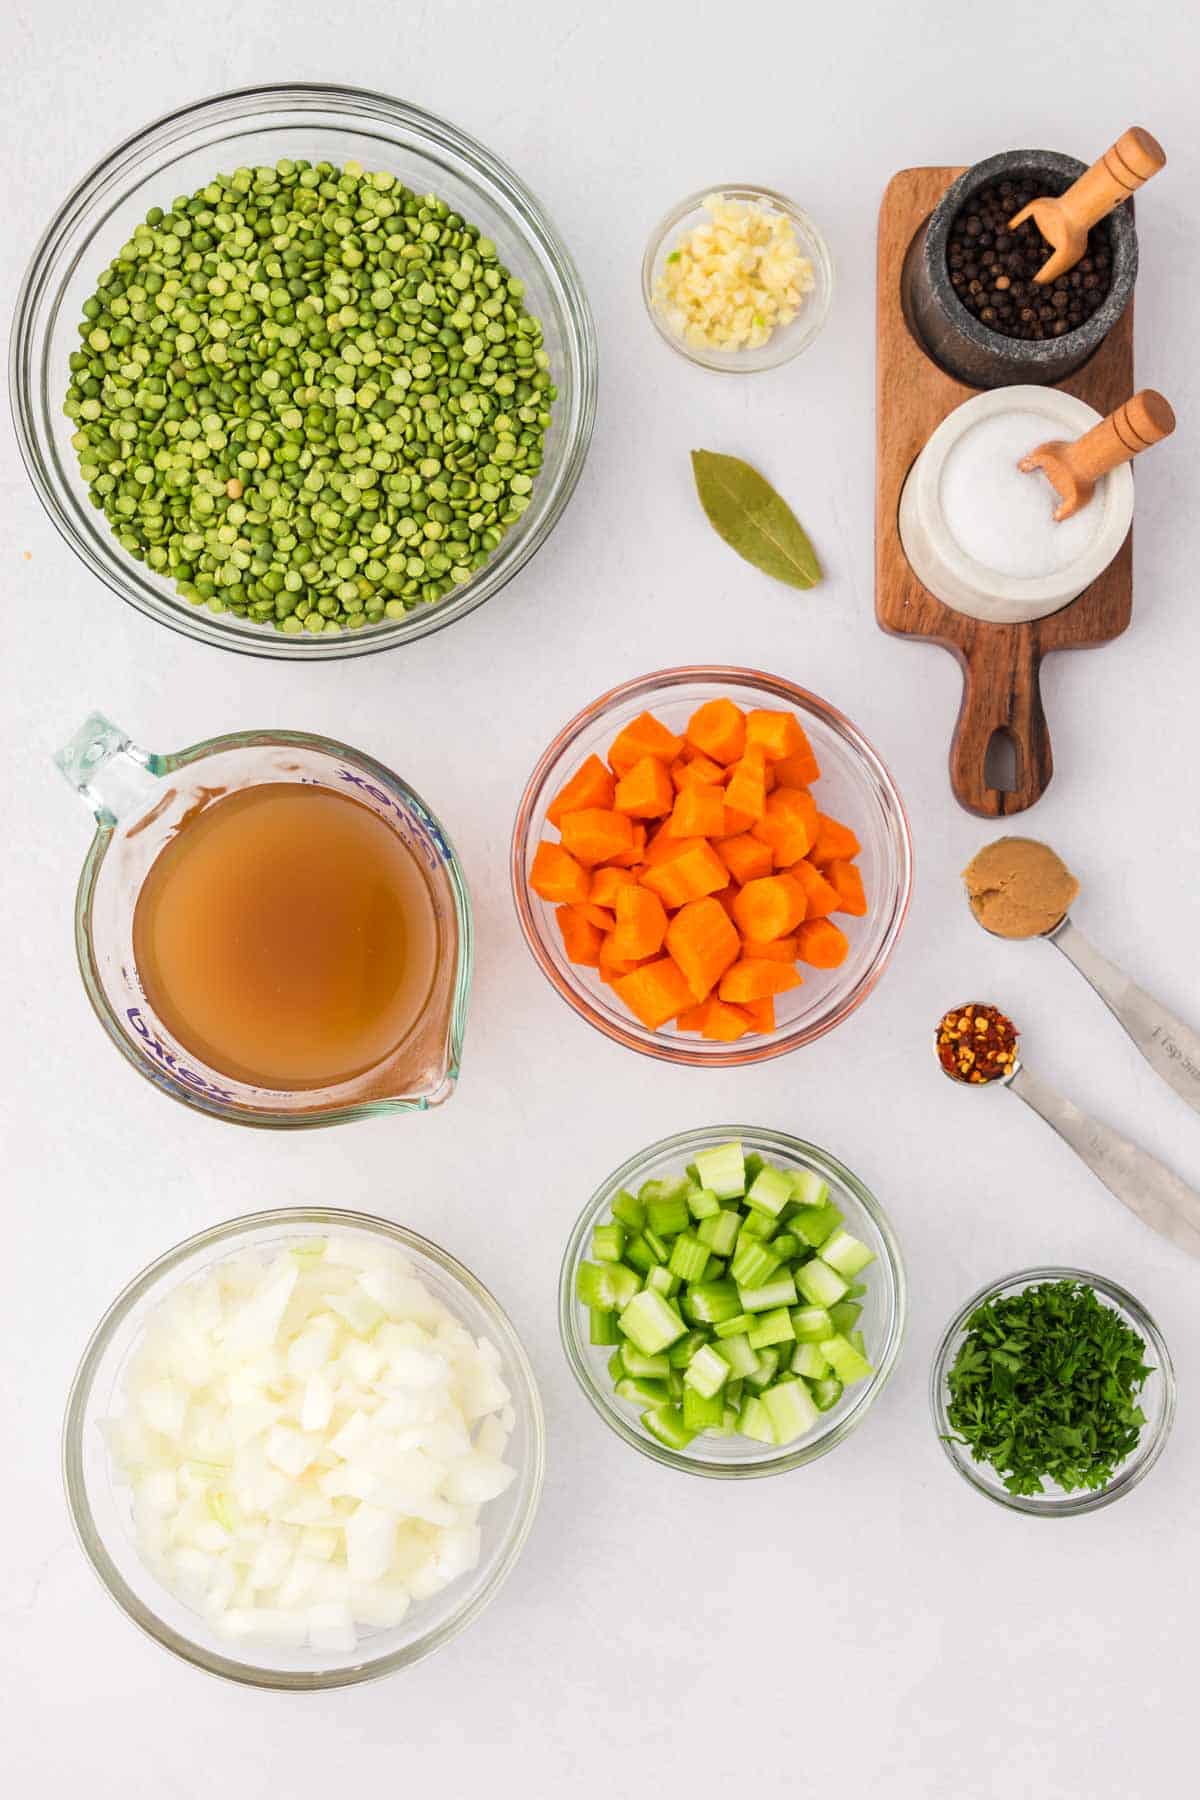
712 1302
608 1243
760 1225
629 1211
650 1322
754 1165
858 1340
662 1281
786 1246
693 1175
736 1326
846 1359
770 1191
808 1189
703 1203
665 1187
666 1424
856 1290
605 1286
809 1362
658 1249
707 1372
733 1392
680 1354
728 1425
737 1353
719 1231
602 1326
820 1285
616 1362
639 1255
675 1385
848 1255
636 1363
780 1292
753 1263
667 1218
845 1316
814 1223
723 1170
790 1409
689 1257
716 1268
768 1368
754 1421
771 1328
642 1390
811 1324
827 1392
701 1412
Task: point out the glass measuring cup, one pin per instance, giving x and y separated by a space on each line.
140 800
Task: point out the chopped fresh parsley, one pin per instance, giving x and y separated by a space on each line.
1045 1386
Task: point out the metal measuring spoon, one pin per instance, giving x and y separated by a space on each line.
1154 1193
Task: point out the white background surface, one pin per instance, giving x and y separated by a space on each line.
869 1622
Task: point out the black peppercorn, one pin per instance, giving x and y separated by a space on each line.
992 269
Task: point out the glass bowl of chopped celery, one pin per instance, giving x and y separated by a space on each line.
1053 1392
304 1448
737 278
732 1301
279 482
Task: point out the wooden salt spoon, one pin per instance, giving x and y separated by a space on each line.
1064 220
1074 469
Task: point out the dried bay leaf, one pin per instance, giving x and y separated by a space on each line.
744 509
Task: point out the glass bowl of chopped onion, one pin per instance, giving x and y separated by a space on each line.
256 572
1155 1397
303 1449
737 278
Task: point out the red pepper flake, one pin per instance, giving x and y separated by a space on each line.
976 1043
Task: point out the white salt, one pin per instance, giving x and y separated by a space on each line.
1004 518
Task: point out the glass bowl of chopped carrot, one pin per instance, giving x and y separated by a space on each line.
711 865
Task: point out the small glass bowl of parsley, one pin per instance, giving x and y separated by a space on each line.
1053 1392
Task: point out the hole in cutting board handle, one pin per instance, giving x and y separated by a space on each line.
1000 762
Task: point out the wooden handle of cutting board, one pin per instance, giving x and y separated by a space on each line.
1121 171
1001 692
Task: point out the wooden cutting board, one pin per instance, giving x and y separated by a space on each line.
1000 663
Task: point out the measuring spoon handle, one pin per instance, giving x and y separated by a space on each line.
1147 1187
1170 1047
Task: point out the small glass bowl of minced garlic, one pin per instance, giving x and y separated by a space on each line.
737 279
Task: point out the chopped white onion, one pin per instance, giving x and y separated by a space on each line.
309 1438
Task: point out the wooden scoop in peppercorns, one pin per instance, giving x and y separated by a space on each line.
1065 220
1074 469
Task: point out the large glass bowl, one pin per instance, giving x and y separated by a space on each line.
178 154
885 1306
101 1508
1157 1400
854 786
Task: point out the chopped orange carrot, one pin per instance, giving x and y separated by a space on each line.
645 792
699 871
655 993
611 967
692 1018
745 857
800 769
789 824
698 812
696 771
629 859
775 733
605 882
596 835
601 916
845 877
556 875
718 729
822 896
643 736
746 790
780 949
726 897
737 823
664 846
761 1013
724 1024
703 941
822 943
641 924
833 842
581 939
591 785
769 908
758 980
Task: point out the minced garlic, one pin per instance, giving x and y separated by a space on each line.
733 281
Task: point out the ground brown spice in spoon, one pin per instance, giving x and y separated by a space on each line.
1019 888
